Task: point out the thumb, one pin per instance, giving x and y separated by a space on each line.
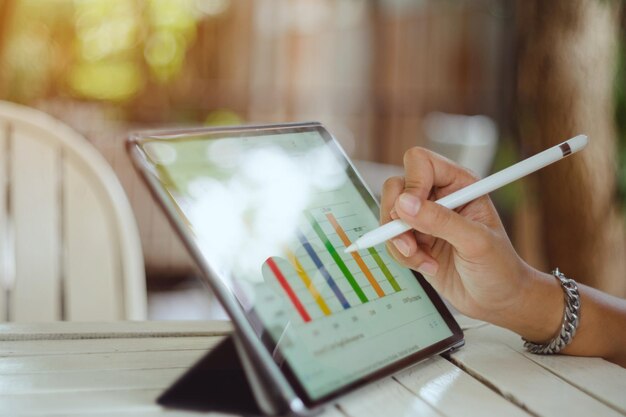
428 217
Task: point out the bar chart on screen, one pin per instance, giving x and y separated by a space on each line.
320 280
328 310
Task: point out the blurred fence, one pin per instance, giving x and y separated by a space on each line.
370 70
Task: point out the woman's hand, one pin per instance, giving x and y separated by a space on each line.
467 257
464 254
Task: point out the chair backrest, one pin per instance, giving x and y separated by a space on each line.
69 243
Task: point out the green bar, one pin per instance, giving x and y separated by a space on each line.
385 270
333 252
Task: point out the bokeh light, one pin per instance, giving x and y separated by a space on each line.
114 81
211 7
223 117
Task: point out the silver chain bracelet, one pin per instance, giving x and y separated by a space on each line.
571 318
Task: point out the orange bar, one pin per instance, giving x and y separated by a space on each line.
346 241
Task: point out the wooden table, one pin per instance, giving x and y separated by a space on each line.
119 369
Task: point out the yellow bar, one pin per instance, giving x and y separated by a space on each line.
309 284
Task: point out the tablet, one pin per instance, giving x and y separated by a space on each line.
267 212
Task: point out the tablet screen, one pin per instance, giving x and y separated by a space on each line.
272 213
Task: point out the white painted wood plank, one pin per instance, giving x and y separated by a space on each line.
79 381
128 410
71 387
80 330
89 346
523 381
385 398
63 403
135 403
92 269
35 209
100 361
453 392
602 379
6 257
427 389
605 381
143 412
331 411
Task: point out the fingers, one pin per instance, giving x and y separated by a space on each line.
419 171
405 244
419 258
392 188
468 237
427 175
425 170
430 176
405 247
424 241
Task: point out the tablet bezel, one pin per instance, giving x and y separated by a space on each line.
163 199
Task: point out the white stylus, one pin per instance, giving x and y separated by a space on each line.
477 189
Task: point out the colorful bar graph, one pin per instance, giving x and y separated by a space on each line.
346 241
283 268
383 267
290 293
333 252
306 280
320 266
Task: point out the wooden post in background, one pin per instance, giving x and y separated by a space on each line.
450 57
6 11
567 65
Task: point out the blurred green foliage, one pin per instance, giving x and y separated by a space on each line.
223 117
107 50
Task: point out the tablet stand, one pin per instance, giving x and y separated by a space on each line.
217 382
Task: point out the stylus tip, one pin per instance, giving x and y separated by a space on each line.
351 248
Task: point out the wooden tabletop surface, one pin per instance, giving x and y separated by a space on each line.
98 369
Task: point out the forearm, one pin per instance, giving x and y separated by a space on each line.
539 314
602 329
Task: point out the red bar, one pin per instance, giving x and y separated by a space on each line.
292 295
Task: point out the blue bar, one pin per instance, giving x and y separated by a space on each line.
318 263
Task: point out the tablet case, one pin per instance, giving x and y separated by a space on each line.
217 382
226 380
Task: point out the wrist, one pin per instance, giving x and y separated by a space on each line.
537 313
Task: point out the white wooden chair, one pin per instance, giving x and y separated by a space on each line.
69 244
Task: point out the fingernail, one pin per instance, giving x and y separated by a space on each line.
402 247
428 268
409 204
